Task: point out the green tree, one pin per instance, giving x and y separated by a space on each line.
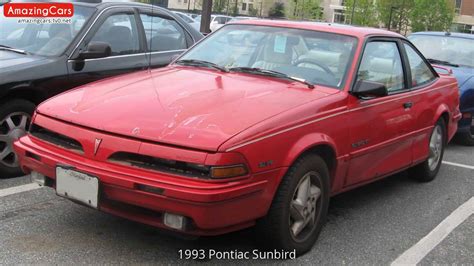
277 10
304 9
432 15
253 12
365 12
219 6
395 12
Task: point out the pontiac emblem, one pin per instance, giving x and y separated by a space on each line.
97 145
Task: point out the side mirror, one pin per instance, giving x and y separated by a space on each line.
365 88
96 50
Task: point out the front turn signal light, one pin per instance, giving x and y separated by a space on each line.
228 171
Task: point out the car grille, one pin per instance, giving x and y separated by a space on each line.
56 139
161 165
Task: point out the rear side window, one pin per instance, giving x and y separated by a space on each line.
420 72
163 34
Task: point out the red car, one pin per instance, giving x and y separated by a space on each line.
258 124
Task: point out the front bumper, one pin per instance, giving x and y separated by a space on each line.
211 208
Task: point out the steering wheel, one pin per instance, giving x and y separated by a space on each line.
315 63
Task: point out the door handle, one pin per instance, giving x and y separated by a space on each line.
408 105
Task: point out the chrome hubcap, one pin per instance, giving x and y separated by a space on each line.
303 206
12 128
436 147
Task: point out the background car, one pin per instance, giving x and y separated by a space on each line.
38 61
238 18
456 51
217 21
195 24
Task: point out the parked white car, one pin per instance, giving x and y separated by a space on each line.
217 21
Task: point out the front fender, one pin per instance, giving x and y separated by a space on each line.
306 143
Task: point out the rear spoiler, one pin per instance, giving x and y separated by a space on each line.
442 70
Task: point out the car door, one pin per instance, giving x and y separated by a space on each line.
119 29
421 78
380 127
165 37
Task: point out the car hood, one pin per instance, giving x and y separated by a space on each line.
184 106
13 61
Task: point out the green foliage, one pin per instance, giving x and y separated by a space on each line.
400 11
432 15
304 9
253 12
277 10
235 9
218 6
365 12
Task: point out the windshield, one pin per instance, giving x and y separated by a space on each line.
42 39
454 50
316 57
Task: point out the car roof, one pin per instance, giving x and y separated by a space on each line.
359 32
445 34
105 4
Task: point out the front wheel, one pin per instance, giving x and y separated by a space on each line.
15 117
299 208
427 170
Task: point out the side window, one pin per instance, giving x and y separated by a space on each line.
381 63
221 20
420 72
163 34
120 32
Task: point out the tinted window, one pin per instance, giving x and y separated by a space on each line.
420 72
120 32
381 63
163 34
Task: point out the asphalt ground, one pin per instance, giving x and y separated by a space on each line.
380 223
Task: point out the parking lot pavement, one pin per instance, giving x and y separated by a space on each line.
374 224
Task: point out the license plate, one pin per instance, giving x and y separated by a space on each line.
77 186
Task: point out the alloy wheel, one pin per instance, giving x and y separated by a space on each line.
12 127
436 147
304 207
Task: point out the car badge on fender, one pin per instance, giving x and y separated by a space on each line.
97 145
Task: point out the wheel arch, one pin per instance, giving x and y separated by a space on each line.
319 144
27 93
443 113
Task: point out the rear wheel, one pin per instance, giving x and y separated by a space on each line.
15 117
428 170
299 208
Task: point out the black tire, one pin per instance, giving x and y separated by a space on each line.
8 108
274 230
425 172
466 138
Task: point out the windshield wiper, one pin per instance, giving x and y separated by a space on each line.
441 62
195 62
271 73
8 48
